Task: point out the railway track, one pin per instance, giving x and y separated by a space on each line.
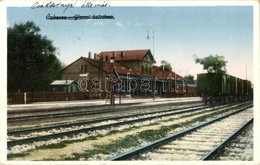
93 121
59 113
43 114
238 148
196 143
71 133
77 131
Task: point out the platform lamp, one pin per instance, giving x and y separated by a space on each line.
154 84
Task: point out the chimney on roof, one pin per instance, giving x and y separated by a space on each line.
89 54
95 56
162 67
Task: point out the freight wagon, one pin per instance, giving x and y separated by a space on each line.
223 88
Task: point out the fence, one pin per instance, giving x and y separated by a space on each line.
19 98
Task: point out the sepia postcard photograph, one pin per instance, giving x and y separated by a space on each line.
160 82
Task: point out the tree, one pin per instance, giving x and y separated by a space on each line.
167 66
31 61
213 64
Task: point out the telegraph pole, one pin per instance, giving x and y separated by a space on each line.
148 37
153 46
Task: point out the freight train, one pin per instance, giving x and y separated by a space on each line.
223 88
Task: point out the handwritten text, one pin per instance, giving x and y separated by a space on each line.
65 6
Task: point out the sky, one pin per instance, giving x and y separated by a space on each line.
180 33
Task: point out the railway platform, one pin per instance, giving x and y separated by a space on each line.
86 103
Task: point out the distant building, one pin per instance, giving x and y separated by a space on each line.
64 86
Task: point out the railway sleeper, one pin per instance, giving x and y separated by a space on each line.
176 151
189 148
169 157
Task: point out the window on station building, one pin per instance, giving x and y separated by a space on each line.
142 69
150 70
146 69
83 68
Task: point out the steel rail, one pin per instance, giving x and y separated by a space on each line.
219 147
23 131
160 142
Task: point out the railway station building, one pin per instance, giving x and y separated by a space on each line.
127 72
